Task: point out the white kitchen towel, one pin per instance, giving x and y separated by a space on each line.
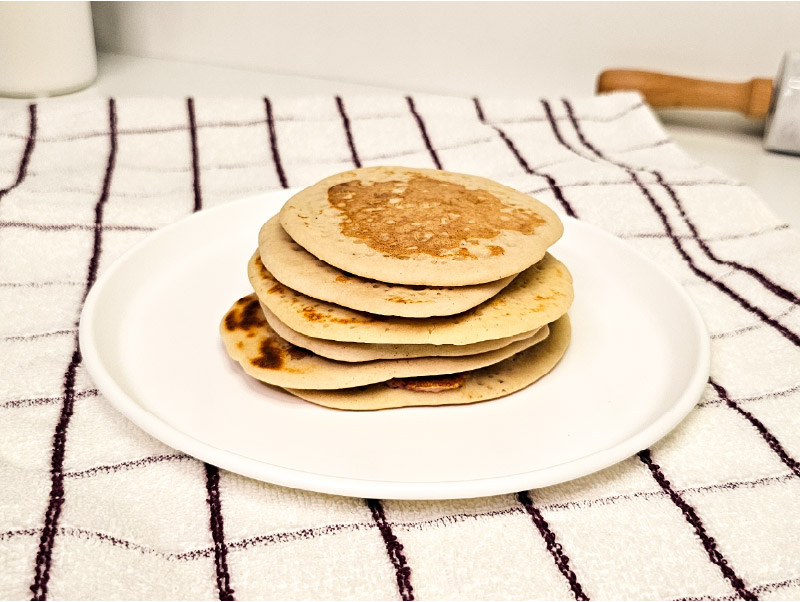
93 508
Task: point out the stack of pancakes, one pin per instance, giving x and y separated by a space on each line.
386 287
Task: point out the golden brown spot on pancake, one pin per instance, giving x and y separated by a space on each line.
550 296
403 300
422 206
271 355
250 317
312 315
342 279
496 250
428 384
240 344
276 288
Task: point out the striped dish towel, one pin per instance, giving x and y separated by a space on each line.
92 508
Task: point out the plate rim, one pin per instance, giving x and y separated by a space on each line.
353 487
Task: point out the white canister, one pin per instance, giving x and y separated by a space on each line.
46 48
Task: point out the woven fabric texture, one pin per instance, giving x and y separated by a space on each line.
93 508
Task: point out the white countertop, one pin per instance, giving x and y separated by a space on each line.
726 141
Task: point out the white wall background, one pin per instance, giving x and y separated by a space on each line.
530 48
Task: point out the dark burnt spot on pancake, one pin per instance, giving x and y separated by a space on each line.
429 384
425 216
252 316
270 355
245 315
298 353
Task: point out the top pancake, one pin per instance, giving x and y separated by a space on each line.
420 226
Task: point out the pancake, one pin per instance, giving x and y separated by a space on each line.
497 380
298 269
534 298
267 357
365 352
420 226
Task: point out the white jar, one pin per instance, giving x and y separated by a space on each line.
46 48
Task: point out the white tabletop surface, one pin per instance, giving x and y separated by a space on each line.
726 141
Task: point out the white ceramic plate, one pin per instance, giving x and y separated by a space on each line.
637 364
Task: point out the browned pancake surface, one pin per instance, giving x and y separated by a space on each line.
420 226
264 355
497 380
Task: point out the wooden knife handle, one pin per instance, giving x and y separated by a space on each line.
669 91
